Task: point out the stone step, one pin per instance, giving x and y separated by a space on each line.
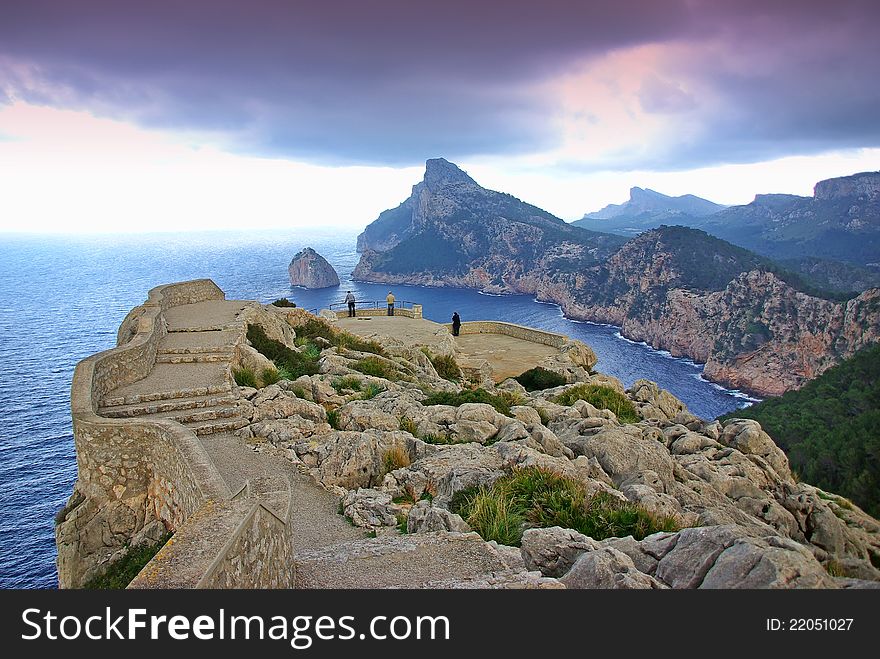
196 350
164 406
192 392
205 328
198 415
193 358
217 426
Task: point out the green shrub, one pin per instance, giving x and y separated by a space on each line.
348 382
603 398
123 571
245 377
283 302
314 327
446 367
501 402
533 497
375 367
371 391
536 379
295 364
284 374
269 376
333 419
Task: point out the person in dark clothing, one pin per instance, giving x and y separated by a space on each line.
456 323
349 300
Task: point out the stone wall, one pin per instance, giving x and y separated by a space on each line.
131 472
258 555
509 329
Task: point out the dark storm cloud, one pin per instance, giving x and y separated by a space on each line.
393 82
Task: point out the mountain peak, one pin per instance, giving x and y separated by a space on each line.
440 172
640 194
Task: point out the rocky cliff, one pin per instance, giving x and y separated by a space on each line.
754 325
311 270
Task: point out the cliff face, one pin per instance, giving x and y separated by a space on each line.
311 270
678 289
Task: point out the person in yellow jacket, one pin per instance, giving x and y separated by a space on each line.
390 300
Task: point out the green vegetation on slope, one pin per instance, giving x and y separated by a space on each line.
122 572
830 428
532 497
603 398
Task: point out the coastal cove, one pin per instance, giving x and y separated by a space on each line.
62 298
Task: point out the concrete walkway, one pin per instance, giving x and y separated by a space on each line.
507 356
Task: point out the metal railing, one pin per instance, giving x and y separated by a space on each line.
372 304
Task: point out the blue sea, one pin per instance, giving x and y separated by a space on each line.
62 298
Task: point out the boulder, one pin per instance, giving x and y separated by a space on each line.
607 567
746 436
771 562
311 270
554 550
370 508
425 517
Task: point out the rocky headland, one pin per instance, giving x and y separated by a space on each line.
311 270
756 326
402 462
375 461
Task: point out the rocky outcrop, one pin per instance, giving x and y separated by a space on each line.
311 270
678 289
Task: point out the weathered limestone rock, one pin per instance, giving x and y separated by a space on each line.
370 508
424 517
554 550
747 436
767 563
607 567
311 270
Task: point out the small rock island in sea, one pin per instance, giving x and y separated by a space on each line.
311 270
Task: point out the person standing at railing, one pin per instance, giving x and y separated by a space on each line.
349 300
390 300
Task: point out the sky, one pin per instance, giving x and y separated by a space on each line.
214 114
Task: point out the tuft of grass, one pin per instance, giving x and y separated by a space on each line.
446 367
402 522
603 398
375 367
122 572
840 501
408 425
269 376
348 382
501 402
283 302
333 419
284 374
371 391
536 379
834 568
297 391
245 377
532 497
495 518
395 458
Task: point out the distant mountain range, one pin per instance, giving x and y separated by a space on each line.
647 209
831 238
756 325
